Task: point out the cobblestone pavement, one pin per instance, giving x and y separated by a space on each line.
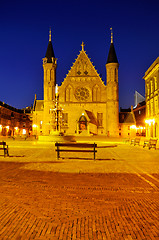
114 197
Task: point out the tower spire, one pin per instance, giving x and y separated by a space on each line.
111 35
112 58
82 46
50 35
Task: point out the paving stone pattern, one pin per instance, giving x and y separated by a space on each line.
44 204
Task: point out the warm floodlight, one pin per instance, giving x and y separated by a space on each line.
149 121
24 131
133 126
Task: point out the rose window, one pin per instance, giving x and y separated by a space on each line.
82 94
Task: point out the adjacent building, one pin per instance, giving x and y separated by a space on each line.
127 123
14 121
152 99
140 116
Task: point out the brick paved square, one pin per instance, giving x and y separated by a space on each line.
114 197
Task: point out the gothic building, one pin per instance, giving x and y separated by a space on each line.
83 104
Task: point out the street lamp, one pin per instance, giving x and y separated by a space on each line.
58 109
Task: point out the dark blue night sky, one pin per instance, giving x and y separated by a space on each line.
24 35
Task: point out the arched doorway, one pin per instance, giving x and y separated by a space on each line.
82 123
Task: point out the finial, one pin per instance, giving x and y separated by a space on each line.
111 35
82 46
50 35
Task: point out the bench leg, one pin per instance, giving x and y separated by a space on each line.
94 151
5 152
58 153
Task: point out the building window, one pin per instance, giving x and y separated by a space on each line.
69 94
65 118
148 109
148 90
152 86
156 107
96 94
100 119
155 79
152 108
139 112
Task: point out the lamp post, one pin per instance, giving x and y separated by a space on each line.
57 107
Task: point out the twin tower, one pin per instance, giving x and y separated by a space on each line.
88 105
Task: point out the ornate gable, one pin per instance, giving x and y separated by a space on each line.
82 67
80 81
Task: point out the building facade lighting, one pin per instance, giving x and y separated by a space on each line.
150 121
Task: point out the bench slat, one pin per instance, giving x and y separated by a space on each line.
85 145
74 150
69 145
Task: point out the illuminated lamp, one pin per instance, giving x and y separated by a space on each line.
7 127
149 121
133 127
34 125
16 128
56 89
23 131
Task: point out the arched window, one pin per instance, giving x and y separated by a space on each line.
69 94
96 93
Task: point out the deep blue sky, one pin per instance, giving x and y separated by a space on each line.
24 30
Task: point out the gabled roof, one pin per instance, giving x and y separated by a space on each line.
112 58
126 117
83 67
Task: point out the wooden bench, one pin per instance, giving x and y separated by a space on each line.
126 140
4 147
151 143
135 141
75 147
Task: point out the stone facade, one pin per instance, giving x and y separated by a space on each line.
85 104
152 99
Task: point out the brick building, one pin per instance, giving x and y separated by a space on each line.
14 121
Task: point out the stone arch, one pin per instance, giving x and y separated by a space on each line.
96 93
69 93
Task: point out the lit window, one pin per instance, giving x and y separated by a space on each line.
100 119
65 118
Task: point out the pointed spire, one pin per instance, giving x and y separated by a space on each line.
112 58
82 46
50 35
50 52
111 35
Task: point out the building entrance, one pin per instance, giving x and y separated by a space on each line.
82 123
